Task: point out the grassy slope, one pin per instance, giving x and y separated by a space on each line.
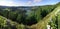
39 25
3 23
59 20
43 23
59 23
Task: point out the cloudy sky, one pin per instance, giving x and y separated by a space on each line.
27 2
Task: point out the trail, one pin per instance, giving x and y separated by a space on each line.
42 24
59 20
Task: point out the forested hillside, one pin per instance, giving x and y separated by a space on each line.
25 17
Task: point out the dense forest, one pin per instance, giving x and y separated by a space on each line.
23 17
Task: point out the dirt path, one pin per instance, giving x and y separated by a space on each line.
42 24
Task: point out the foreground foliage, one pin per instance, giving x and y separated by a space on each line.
31 18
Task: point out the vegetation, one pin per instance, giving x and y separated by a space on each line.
28 17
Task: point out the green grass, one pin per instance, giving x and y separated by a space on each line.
42 24
59 20
3 23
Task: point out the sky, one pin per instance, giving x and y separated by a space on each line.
27 2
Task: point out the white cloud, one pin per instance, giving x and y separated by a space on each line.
29 3
8 3
33 2
21 3
37 1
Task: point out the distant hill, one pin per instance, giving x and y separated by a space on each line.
24 17
24 7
